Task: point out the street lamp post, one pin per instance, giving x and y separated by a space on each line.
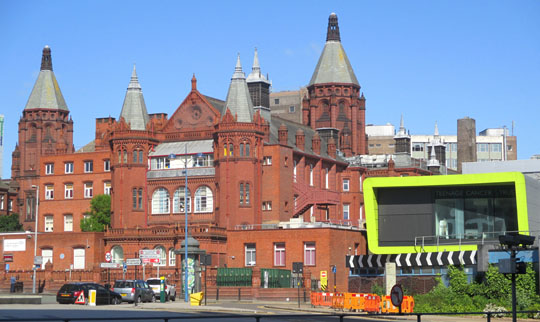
35 239
186 294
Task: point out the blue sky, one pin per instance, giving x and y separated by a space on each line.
428 60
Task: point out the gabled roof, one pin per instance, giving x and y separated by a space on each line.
238 98
46 92
333 65
134 109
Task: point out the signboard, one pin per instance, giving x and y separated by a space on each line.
133 261
151 260
334 269
108 257
149 253
14 245
324 280
38 260
8 258
396 295
110 265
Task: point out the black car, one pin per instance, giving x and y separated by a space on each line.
69 293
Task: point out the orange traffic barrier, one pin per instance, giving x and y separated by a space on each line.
372 303
407 305
354 301
338 301
326 299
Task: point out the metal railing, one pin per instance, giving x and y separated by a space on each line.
260 317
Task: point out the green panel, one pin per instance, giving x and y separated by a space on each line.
277 278
372 208
234 276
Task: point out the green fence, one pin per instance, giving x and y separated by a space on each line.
277 278
234 276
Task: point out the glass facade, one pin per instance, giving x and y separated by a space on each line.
476 212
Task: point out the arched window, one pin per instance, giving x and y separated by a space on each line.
231 150
204 201
179 200
172 257
247 149
135 154
117 254
162 256
241 149
311 174
160 201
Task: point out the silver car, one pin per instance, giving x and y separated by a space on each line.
170 289
132 290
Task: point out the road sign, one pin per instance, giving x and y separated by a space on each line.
396 295
133 261
38 260
324 280
108 257
149 253
8 258
334 269
151 260
110 265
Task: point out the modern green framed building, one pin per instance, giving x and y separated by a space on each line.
448 213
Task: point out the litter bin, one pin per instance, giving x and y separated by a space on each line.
196 298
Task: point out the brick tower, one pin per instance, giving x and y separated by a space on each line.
130 142
334 103
238 143
45 128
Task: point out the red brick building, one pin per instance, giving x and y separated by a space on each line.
258 191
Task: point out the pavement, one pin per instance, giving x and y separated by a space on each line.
48 301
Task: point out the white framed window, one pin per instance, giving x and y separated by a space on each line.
496 147
172 257
160 201
107 165
179 200
117 254
326 178
482 147
346 211
49 222
311 174
47 255
10 205
68 167
2 197
88 166
267 160
267 205
309 254
250 254
68 222
361 182
49 168
279 254
204 201
294 170
68 191
107 187
162 256
49 192
88 190
346 184
79 255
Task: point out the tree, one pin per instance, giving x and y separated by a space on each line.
10 223
99 216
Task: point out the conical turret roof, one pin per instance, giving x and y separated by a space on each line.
134 109
238 99
46 92
256 75
333 65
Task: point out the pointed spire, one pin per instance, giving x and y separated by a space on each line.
433 162
134 108
402 133
256 75
46 92
436 133
46 61
333 28
238 98
193 83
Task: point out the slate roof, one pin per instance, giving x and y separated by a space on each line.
193 147
134 108
46 92
238 98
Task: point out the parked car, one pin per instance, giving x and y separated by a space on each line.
170 289
69 293
132 290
